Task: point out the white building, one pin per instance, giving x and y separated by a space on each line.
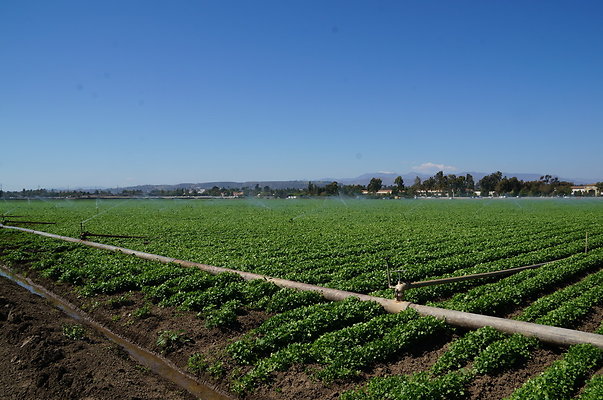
583 190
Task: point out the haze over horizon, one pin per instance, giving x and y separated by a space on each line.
128 93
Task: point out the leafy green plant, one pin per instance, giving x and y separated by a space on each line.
330 346
223 316
512 291
317 322
337 246
504 354
216 369
197 363
169 341
593 390
143 312
465 349
401 338
278 361
74 332
288 299
417 386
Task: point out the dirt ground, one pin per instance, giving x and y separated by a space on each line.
38 361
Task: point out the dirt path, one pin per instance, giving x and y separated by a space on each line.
39 361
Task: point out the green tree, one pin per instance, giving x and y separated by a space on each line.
441 181
457 184
564 188
374 185
332 189
214 191
488 183
399 183
510 186
429 183
469 183
417 185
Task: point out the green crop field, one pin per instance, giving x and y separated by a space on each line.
346 244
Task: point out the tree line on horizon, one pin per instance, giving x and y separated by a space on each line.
462 185
438 185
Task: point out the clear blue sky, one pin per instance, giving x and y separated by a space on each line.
122 93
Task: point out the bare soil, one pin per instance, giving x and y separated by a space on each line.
592 321
38 361
487 387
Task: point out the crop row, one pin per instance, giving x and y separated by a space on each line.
559 381
329 242
496 357
342 353
545 254
496 297
549 303
593 390
358 279
489 351
573 310
324 350
217 298
417 386
439 259
322 318
563 377
344 246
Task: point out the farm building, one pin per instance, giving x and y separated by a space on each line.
584 190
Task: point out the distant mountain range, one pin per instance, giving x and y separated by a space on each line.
386 177
223 184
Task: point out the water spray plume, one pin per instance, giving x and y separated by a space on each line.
315 210
257 202
104 212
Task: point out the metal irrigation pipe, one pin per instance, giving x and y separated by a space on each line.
451 279
403 286
549 334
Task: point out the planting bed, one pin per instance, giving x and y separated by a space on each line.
256 340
